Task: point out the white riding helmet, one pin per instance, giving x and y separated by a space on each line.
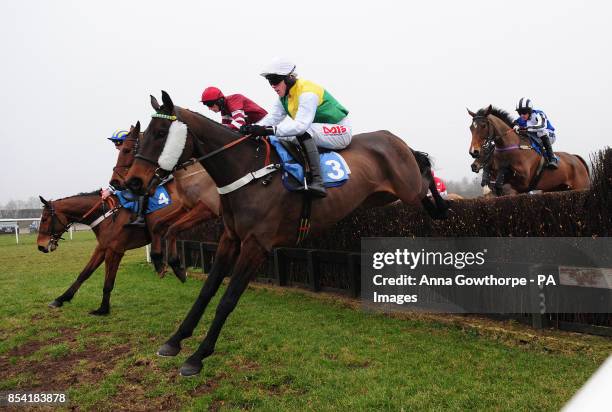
281 67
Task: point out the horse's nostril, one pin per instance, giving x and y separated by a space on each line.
42 249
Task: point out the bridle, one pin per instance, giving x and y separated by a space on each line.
126 167
55 236
490 139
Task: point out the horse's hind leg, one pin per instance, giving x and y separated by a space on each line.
251 257
198 214
439 210
112 260
226 252
411 184
95 260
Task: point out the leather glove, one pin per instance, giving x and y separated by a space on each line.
256 130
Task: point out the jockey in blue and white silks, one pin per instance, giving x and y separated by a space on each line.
535 124
117 138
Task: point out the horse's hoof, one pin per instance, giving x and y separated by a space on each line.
167 350
191 369
56 304
99 312
181 274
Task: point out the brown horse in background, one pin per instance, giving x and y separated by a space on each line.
262 215
198 198
517 166
112 236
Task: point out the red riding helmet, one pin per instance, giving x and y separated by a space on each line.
211 94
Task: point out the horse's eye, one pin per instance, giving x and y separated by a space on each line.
126 151
161 133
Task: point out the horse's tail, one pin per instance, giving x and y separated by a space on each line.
441 206
423 161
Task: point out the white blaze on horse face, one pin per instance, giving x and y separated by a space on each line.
175 143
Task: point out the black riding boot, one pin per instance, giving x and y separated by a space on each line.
140 219
551 160
315 187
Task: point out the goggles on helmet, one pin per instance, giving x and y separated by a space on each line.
275 79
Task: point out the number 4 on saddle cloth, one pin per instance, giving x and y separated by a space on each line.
159 200
334 170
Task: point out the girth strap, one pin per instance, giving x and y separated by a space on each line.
304 226
248 178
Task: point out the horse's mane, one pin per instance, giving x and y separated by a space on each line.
92 193
497 112
212 122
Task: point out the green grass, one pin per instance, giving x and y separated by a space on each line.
280 349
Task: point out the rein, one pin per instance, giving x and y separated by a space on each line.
157 175
57 236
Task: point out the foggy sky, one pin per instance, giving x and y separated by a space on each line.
72 72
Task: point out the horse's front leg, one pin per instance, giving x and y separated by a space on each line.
95 260
198 214
499 180
112 260
157 257
252 255
160 226
226 253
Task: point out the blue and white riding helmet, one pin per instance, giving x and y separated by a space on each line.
119 136
525 105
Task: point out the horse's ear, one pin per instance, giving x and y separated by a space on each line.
167 101
489 109
44 202
155 104
136 129
471 112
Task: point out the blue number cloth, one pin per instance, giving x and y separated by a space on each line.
159 200
334 170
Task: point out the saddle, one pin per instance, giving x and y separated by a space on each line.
334 170
297 152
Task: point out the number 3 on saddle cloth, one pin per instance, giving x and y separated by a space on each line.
159 200
334 170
